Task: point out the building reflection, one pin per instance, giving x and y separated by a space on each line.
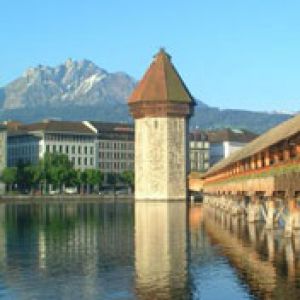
161 250
2 236
82 245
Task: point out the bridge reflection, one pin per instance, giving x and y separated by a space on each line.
264 258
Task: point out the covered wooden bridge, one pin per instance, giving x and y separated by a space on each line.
267 166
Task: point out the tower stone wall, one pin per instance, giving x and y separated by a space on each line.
160 158
161 106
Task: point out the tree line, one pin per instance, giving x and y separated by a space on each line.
55 172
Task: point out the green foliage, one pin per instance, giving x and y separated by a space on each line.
9 175
112 178
56 169
94 177
128 178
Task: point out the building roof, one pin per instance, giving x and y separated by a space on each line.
198 135
231 135
161 82
112 127
3 127
57 126
279 133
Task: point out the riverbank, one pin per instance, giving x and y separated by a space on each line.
65 198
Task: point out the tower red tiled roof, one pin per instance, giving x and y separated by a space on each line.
161 82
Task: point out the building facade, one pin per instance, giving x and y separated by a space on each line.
29 143
199 150
115 146
3 153
161 106
224 142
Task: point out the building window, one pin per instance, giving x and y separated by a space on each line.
54 148
60 149
67 149
79 161
73 149
85 149
91 161
85 161
79 149
91 150
47 148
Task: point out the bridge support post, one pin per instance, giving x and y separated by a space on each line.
269 214
253 210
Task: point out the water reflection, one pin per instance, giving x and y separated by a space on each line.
161 250
264 258
142 251
69 251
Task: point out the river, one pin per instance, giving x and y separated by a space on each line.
126 250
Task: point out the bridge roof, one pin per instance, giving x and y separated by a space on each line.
279 133
161 82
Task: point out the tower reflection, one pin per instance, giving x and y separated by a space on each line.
161 250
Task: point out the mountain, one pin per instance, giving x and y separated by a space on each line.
80 90
80 83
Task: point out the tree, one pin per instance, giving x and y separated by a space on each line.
9 177
112 179
127 177
94 177
82 176
57 170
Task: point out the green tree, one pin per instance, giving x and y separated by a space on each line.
82 178
9 177
127 177
94 178
57 170
112 179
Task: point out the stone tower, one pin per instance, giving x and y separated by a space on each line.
161 106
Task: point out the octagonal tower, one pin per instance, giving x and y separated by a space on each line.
161 106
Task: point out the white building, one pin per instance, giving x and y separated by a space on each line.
29 143
199 151
224 142
115 146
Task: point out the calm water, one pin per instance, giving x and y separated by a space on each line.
140 251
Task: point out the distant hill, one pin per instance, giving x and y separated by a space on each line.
80 90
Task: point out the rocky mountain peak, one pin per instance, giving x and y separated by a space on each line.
78 82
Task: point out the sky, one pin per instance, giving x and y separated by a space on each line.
231 54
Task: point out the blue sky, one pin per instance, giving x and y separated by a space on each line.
231 54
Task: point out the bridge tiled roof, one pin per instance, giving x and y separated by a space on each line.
279 133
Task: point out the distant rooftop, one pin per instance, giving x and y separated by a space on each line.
52 126
231 135
108 127
198 135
